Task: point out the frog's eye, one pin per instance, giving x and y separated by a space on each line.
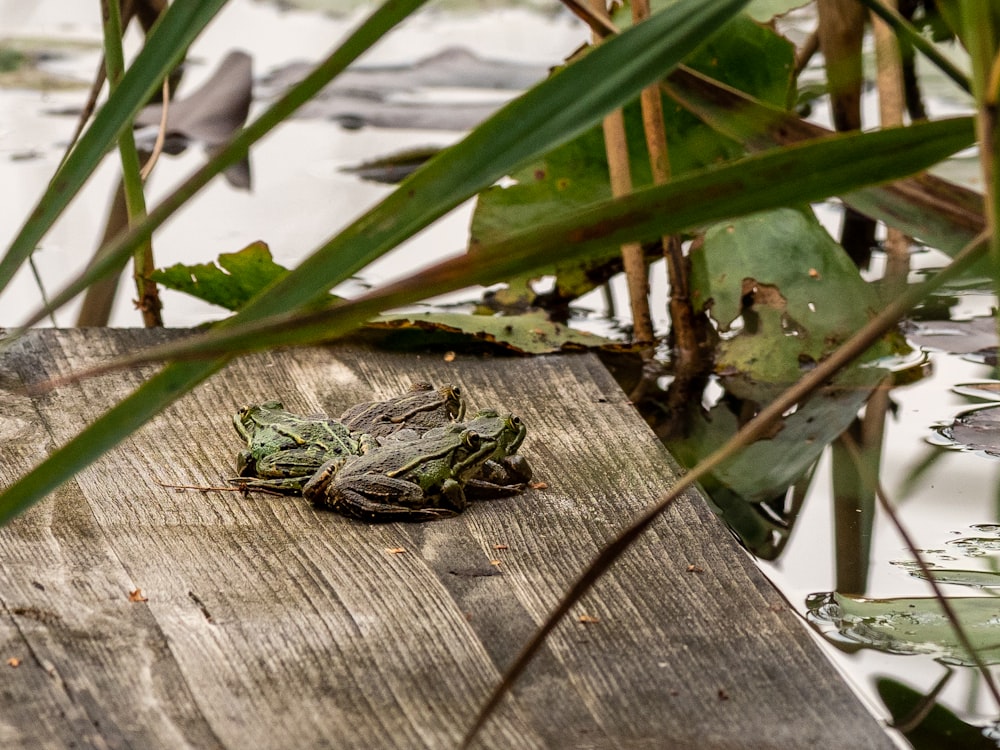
514 420
472 439
456 391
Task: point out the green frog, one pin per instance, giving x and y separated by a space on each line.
285 449
504 473
404 480
421 408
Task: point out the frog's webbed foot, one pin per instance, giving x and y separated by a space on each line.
504 477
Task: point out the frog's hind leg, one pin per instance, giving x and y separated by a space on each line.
357 506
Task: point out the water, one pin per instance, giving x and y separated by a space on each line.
301 198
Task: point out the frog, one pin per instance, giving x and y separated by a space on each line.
404 480
285 449
505 473
421 408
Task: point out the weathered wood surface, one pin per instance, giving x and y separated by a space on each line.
271 625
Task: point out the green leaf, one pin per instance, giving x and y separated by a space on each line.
919 626
805 172
795 290
530 333
230 282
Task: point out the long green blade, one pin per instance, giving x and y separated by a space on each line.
546 116
792 175
175 30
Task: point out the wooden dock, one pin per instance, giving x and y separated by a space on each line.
263 623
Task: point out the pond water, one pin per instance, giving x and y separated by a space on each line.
301 197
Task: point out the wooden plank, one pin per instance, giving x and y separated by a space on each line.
272 624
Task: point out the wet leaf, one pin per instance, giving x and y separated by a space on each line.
794 291
975 578
976 430
916 626
576 174
530 333
230 282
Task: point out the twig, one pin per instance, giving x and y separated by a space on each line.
208 488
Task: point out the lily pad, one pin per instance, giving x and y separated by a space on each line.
975 430
914 626
230 281
576 174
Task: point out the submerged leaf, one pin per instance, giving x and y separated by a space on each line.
210 115
938 726
915 626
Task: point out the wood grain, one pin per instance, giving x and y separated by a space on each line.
271 624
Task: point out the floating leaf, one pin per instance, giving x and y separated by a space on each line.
230 281
976 430
955 336
914 626
975 578
988 390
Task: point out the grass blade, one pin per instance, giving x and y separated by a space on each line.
791 175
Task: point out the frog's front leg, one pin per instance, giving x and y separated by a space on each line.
292 463
504 477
